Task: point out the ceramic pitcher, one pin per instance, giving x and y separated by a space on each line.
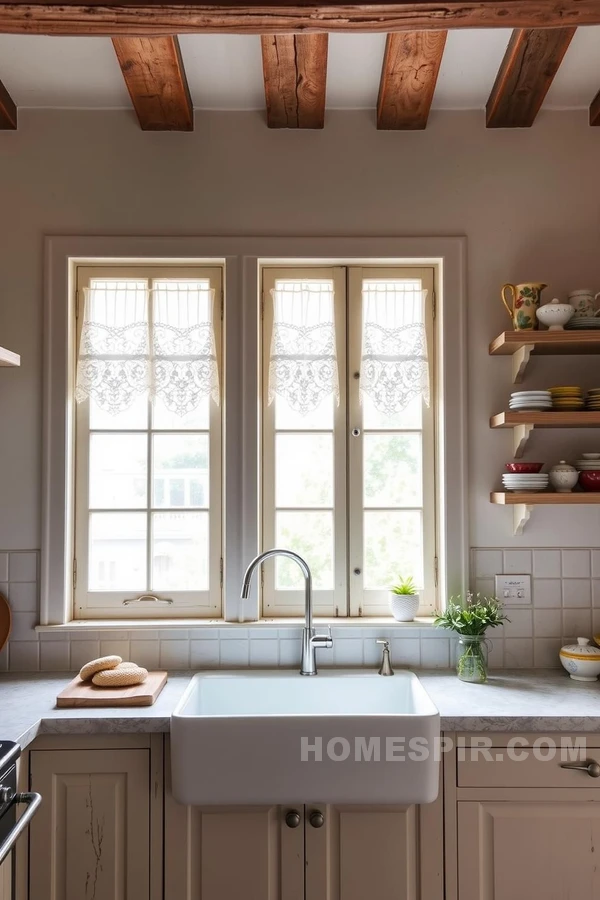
524 301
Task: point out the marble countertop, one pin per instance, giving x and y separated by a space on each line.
524 701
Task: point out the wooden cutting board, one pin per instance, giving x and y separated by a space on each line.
80 693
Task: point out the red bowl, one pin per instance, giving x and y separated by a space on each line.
523 468
590 480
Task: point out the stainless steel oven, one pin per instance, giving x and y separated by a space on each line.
12 827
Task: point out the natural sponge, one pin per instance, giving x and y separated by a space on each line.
99 665
124 675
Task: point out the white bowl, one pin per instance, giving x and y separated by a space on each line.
555 315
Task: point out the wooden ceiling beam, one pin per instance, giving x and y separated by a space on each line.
531 61
411 64
295 76
155 78
8 111
147 17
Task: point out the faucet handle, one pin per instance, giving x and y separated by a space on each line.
385 643
323 641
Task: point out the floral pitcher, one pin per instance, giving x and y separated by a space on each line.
524 301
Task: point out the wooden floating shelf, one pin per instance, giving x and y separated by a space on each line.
542 498
524 422
8 358
521 344
523 503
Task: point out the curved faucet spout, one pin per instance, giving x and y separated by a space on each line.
310 640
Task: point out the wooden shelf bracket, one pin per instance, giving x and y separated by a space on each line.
521 434
521 515
520 361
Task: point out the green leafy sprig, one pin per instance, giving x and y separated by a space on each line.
473 616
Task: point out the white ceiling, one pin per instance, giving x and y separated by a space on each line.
225 71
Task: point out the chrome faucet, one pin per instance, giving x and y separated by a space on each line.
310 640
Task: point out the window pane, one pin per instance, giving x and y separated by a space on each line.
180 551
316 419
411 417
180 470
198 419
135 416
393 470
117 552
393 548
304 470
118 464
310 534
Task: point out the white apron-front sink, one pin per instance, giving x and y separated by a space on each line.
257 737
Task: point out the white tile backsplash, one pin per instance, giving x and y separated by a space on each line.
565 586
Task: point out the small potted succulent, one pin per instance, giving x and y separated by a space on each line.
404 600
470 619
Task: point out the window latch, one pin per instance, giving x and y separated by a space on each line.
147 598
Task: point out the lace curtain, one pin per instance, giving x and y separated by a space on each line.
394 366
135 341
303 365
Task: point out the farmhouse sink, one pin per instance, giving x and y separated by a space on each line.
258 737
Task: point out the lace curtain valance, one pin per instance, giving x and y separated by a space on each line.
303 365
135 341
394 366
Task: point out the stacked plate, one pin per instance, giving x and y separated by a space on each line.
531 400
589 462
529 483
592 401
567 398
583 322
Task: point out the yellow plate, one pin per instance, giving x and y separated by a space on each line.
561 387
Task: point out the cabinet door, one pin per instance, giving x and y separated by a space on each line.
224 853
6 879
388 851
523 849
91 837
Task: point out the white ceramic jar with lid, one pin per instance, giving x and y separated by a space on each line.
581 660
563 477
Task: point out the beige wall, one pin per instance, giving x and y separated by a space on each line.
528 202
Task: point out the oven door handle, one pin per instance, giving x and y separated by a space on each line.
32 801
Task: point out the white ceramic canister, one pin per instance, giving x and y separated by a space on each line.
563 477
581 661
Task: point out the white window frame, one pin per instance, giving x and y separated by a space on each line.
242 257
104 604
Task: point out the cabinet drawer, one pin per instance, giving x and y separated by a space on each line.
526 767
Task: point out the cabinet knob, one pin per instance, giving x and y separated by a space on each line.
316 819
590 766
292 818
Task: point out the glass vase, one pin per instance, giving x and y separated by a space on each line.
472 658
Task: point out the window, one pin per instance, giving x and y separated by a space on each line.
349 486
148 475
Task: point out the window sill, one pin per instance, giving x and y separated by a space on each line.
185 624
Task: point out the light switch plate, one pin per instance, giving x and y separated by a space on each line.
514 590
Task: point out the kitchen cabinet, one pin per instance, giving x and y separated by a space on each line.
92 837
523 827
333 853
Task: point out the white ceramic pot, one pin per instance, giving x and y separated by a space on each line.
581 661
563 477
404 607
555 314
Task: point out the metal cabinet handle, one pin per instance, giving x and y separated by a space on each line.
316 818
590 766
147 598
32 801
292 818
